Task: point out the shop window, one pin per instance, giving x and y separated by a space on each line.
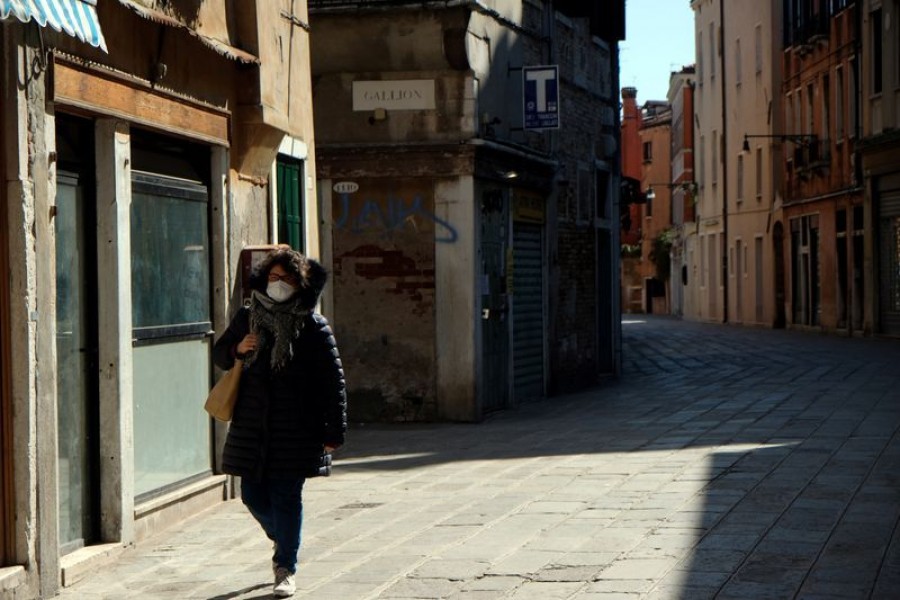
169 257
171 312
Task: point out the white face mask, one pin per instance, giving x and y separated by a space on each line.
279 291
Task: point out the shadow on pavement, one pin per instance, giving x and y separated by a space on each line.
246 590
802 487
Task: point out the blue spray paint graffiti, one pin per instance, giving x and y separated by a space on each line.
395 216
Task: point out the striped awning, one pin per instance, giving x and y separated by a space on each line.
77 18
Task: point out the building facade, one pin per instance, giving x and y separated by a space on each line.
682 184
631 208
706 246
656 147
739 209
880 147
825 213
136 168
475 250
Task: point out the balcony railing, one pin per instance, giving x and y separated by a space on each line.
806 22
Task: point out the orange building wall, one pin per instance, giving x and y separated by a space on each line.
631 157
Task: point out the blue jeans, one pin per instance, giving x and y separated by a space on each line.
277 505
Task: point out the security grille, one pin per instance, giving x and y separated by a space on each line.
528 312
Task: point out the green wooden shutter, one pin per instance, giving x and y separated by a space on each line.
290 202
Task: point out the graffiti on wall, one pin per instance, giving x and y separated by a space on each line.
390 216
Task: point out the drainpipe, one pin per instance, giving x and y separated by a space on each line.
723 141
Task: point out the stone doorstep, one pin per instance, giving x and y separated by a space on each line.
12 577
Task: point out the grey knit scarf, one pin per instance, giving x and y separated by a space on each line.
277 324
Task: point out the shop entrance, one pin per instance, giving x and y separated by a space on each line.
494 300
77 336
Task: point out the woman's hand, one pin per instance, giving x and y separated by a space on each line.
247 345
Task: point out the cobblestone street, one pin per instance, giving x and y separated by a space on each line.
727 463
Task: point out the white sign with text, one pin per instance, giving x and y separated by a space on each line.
406 94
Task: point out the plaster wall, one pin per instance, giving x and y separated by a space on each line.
457 346
709 164
18 127
384 295
753 102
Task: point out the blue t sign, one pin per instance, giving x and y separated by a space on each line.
541 97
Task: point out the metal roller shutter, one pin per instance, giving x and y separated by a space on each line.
889 304
528 311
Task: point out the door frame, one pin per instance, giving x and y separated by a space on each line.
6 468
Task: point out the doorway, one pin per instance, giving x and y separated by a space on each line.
778 250
528 311
77 344
494 326
805 280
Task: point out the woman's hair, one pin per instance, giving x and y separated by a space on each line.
311 275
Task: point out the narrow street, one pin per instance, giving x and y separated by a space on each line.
727 463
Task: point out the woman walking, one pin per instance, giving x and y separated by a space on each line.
291 411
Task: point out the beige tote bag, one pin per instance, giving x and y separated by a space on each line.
222 398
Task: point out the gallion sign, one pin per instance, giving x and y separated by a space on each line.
407 94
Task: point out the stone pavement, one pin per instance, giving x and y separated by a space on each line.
727 463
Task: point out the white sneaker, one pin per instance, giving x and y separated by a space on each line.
284 583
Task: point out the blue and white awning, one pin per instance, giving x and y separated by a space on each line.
77 18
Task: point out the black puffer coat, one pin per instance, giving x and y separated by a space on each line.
283 419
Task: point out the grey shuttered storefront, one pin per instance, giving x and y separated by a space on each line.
528 311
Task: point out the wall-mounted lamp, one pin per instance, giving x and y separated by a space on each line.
379 114
686 186
803 139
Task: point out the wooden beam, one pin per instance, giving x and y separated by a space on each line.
87 89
